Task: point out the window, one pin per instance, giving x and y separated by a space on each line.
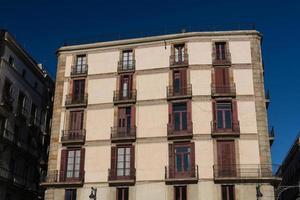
80 64
228 192
76 121
127 59
21 103
73 163
180 193
11 60
226 158
220 50
123 161
180 116
224 115
7 92
78 90
70 194
182 159
179 53
124 117
122 193
33 114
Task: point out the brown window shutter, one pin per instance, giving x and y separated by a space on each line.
63 165
133 113
234 111
171 161
113 159
189 111
170 112
214 113
82 160
193 167
132 160
183 78
130 82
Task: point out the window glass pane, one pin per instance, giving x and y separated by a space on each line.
219 119
180 107
178 161
183 193
186 160
228 121
184 120
177 121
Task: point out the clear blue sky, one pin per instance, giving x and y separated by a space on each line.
42 26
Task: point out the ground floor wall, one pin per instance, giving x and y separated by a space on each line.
204 190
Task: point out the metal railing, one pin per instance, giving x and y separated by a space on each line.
76 99
129 95
235 128
179 92
68 176
229 89
179 130
73 135
173 173
123 132
113 175
225 60
244 171
79 70
179 60
126 65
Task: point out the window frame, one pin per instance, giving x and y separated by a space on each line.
227 190
180 188
73 194
124 193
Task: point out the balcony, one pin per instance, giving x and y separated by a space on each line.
21 114
55 178
180 131
188 177
76 101
126 66
179 93
223 90
115 180
123 134
234 131
73 137
79 70
7 102
218 61
124 97
179 61
252 173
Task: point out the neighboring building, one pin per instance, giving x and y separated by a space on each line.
26 92
290 173
179 116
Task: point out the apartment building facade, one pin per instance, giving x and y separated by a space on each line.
177 117
26 92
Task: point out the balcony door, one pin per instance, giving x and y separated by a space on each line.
123 161
80 64
224 116
72 165
127 59
179 53
179 82
124 119
125 86
78 90
180 116
222 82
226 158
220 50
76 123
182 160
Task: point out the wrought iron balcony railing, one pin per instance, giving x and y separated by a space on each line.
128 96
76 100
126 66
223 90
223 131
245 172
123 133
173 176
115 179
179 130
181 92
73 136
71 177
179 60
221 60
79 70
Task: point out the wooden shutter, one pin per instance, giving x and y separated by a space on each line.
226 157
221 76
63 165
189 112
133 116
170 113
82 160
132 160
183 78
214 114
193 166
113 159
171 161
234 112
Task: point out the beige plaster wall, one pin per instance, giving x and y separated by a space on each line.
240 51
103 62
201 117
247 116
69 63
248 152
101 90
201 82
199 53
244 81
204 158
